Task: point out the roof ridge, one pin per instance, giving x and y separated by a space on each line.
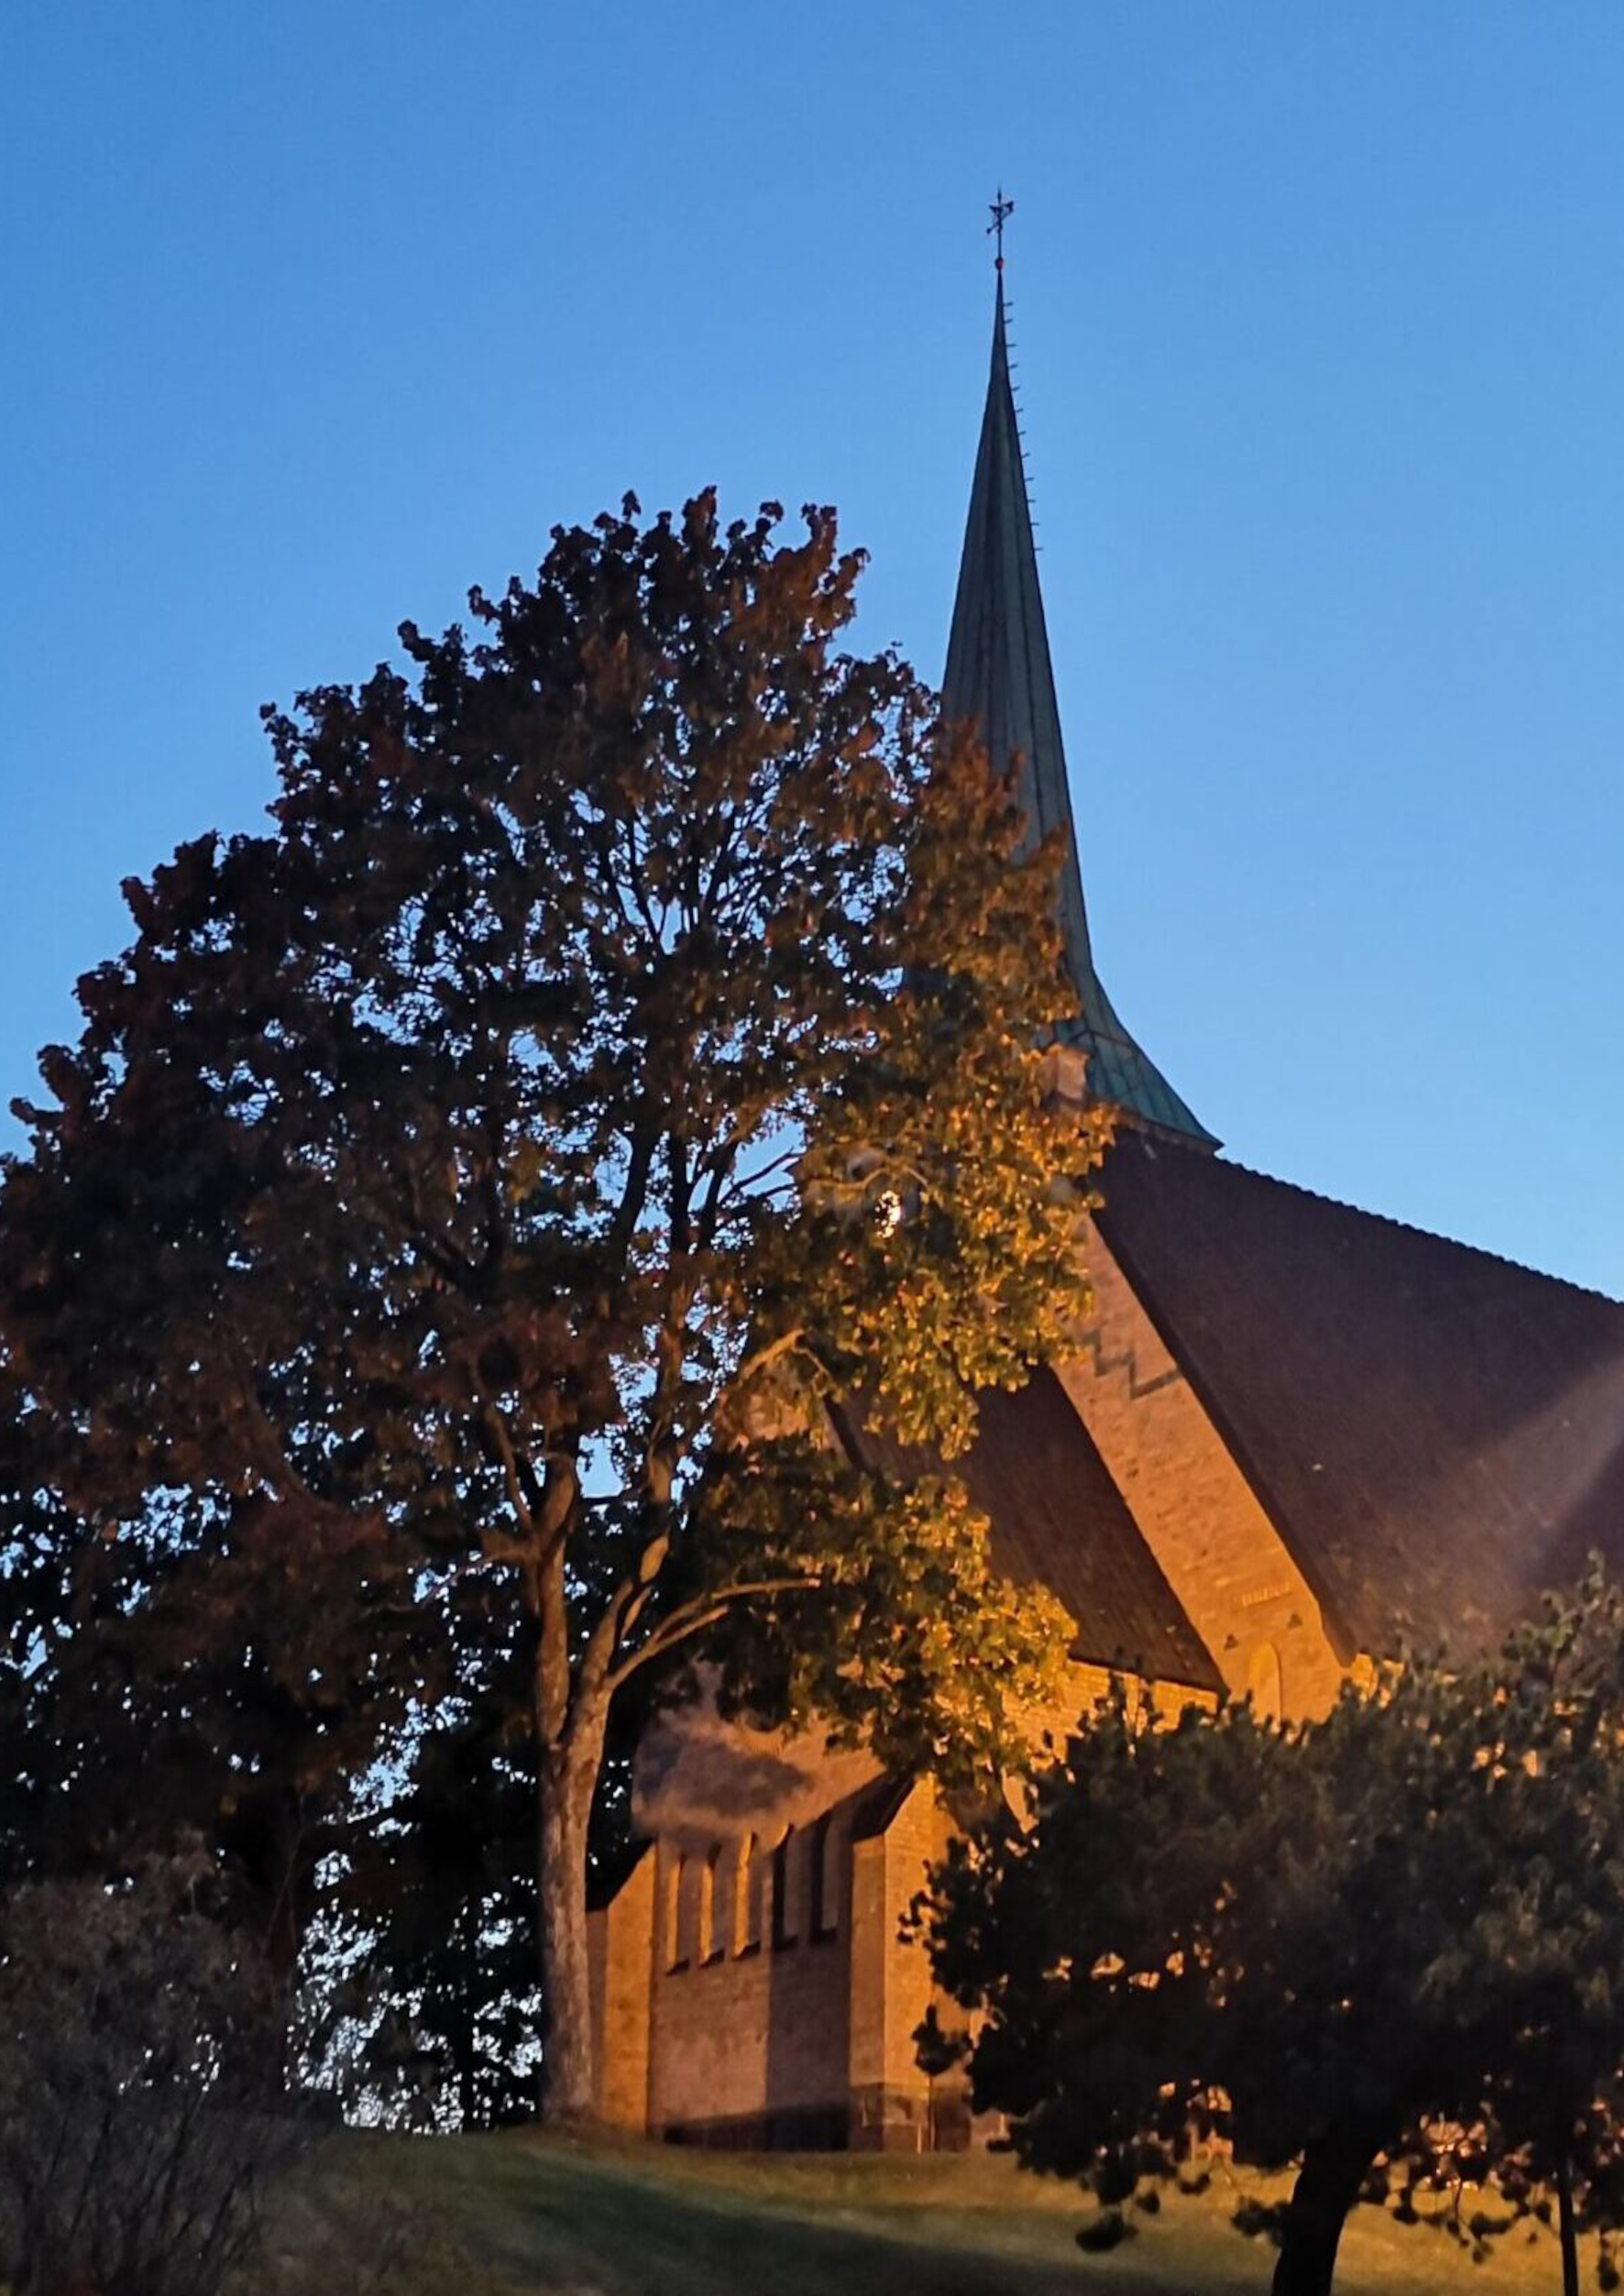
1387 1219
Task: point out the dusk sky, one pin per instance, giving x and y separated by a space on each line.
314 315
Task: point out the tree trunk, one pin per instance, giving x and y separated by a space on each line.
569 1781
1566 2227
1327 2186
275 1845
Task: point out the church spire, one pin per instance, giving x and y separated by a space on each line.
999 673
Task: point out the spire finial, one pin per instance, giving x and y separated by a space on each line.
1001 209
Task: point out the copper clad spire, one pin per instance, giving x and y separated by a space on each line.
1000 674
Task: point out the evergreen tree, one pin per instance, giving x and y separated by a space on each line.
435 1894
624 1041
165 1684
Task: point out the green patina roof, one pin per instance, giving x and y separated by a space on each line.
999 673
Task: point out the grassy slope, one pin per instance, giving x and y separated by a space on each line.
490 2217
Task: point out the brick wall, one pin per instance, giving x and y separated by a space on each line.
750 2007
891 1988
619 1968
732 2014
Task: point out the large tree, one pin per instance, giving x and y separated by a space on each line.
1395 1934
626 1038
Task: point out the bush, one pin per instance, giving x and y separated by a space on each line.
141 2071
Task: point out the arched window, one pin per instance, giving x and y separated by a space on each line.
783 1927
747 1898
826 1880
675 1958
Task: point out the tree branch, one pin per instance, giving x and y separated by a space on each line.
705 1610
784 1345
497 1427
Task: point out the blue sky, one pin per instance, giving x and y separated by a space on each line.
316 315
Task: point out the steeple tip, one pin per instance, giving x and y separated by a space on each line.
1002 210
999 673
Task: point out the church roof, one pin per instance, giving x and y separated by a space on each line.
1059 1521
1437 1435
999 673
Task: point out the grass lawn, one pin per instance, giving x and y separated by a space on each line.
493 2215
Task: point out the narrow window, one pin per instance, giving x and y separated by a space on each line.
710 1946
747 1898
675 1958
825 1887
784 1929
1262 1682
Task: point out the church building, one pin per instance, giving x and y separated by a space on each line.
1294 1437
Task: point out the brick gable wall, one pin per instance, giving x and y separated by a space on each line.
1221 1555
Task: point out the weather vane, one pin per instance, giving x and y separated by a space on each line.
1000 209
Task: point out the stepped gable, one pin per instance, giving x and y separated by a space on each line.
1438 1435
1059 1520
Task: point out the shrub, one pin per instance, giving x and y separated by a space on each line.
141 2071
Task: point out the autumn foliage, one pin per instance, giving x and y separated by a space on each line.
465 1197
